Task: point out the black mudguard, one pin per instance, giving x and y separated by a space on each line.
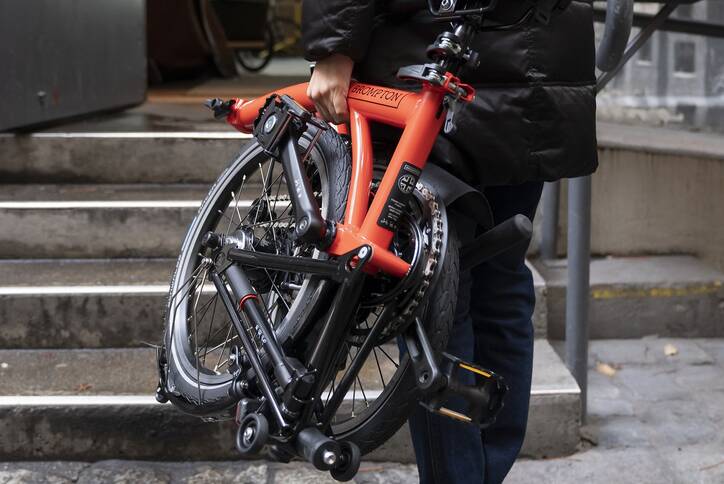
458 195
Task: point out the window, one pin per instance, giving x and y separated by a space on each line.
684 10
684 57
646 52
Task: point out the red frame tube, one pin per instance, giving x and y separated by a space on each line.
419 114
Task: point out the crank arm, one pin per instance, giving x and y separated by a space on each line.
428 376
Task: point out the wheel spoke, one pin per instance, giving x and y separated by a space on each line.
211 326
389 357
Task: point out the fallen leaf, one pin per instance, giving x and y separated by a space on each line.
670 350
83 387
605 368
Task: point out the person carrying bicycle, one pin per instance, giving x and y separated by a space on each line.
532 120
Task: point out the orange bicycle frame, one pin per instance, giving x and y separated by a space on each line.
420 115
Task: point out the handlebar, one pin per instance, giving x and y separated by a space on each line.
619 18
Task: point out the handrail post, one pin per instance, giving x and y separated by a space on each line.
549 229
577 289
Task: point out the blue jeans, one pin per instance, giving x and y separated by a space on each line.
493 329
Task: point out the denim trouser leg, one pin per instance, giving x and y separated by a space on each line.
493 329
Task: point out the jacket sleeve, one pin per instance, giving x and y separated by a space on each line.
336 27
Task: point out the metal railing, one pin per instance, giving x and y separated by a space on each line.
579 197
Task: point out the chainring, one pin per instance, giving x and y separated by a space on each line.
410 300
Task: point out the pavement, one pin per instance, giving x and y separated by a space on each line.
656 413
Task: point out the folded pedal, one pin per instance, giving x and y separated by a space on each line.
472 394
453 387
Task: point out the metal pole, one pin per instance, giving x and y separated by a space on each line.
577 290
549 237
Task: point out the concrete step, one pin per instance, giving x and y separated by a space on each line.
118 156
55 404
98 221
82 303
99 303
633 297
656 191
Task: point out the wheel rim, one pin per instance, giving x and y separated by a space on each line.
201 335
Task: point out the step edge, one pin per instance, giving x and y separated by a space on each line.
182 135
14 401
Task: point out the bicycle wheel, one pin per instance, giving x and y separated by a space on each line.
249 195
254 60
370 416
199 336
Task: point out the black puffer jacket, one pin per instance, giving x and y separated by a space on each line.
534 113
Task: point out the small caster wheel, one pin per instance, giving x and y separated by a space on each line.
161 396
350 459
252 434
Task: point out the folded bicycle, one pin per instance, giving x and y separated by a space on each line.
314 267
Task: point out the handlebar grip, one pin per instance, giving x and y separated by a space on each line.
619 19
515 230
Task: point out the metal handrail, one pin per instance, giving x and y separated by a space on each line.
579 198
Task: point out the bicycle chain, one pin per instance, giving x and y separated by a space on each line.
399 321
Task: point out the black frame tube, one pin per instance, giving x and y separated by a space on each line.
250 349
310 226
339 317
304 265
353 370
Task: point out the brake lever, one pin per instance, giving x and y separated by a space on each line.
220 107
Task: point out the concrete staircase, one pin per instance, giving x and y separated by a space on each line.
90 224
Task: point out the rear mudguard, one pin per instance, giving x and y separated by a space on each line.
458 195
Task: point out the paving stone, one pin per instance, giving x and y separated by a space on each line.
120 472
698 378
301 475
647 351
49 470
605 407
620 466
240 474
387 474
25 476
678 423
605 398
696 464
713 348
619 432
651 384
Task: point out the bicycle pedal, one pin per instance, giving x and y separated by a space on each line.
479 391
